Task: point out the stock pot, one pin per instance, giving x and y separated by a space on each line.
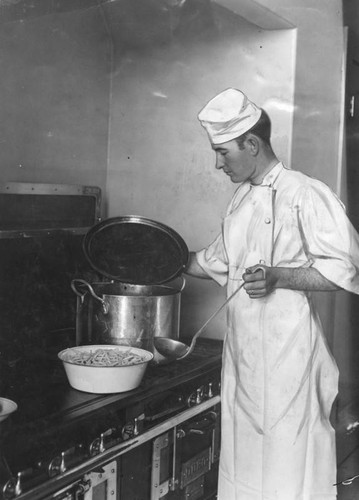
141 262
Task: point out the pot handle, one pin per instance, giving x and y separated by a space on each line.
74 282
182 285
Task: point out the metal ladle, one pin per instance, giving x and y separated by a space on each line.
175 350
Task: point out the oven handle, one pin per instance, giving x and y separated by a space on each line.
206 424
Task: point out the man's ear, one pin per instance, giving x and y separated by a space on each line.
254 144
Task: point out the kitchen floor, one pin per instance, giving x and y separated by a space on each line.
346 422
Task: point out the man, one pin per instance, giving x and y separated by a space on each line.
284 235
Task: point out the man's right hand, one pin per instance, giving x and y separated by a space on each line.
193 268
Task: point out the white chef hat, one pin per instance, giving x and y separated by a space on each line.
228 115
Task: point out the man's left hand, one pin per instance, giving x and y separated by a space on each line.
259 281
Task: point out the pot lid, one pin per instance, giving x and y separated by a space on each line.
136 250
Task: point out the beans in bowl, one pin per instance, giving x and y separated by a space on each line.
104 357
104 368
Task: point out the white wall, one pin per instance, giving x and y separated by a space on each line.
160 162
54 98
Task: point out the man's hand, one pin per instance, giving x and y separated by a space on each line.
193 268
259 281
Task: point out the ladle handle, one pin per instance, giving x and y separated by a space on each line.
198 333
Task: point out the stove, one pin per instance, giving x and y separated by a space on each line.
60 440
160 441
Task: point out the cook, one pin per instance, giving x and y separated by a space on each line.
285 234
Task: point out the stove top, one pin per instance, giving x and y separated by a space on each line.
40 387
53 417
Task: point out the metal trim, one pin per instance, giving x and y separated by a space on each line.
40 232
71 475
188 475
30 188
108 476
158 490
43 188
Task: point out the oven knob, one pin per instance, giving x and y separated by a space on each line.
98 445
131 429
196 398
94 448
57 465
60 463
13 487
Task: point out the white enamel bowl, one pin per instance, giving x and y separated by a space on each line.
7 407
104 379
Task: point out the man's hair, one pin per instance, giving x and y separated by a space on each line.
261 129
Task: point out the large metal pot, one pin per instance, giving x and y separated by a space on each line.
138 257
125 314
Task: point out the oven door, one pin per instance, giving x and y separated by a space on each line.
179 464
185 459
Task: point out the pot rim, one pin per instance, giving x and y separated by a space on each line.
136 290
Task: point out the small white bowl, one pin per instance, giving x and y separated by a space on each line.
104 379
7 407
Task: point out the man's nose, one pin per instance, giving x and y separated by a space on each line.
219 161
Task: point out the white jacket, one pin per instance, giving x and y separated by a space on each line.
279 379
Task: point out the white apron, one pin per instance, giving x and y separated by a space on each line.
279 379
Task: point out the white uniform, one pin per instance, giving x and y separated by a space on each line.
279 379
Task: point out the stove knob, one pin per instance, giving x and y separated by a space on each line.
57 465
196 398
135 429
14 487
210 390
130 429
98 445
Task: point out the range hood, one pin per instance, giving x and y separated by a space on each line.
178 11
